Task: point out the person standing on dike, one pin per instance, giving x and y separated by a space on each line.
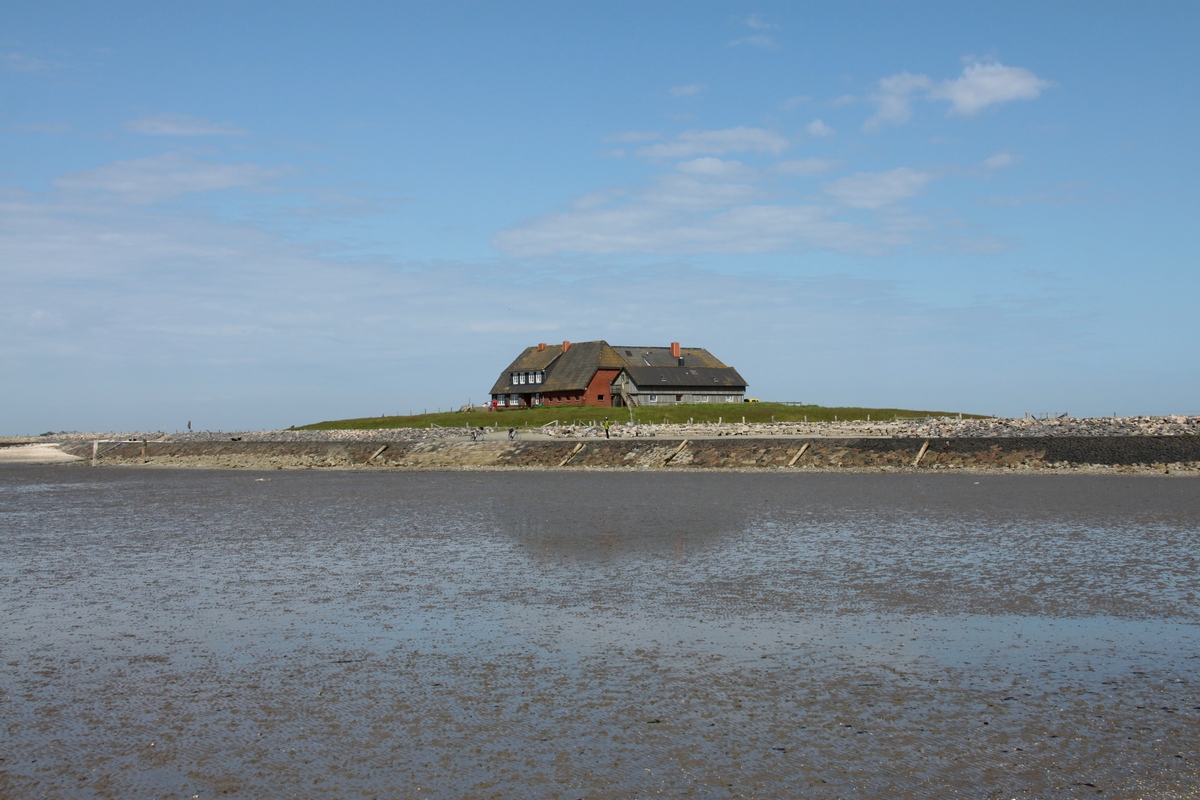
606 425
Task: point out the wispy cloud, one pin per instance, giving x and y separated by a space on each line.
759 24
716 206
729 140
805 167
761 41
147 180
981 85
792 103
893 99
819 130
716 168
873 190
1000 160
19 62
181 125
689 90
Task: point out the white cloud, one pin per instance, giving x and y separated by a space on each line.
146 180
705 213
819 129
982 85
872 190
648 228
709 166
894 99
805 167
692 194
760 41
792 103
759 24
1000 160
730 140
181 125
687 91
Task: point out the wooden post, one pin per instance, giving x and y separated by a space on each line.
675 452
571 455
921 454
376 454
95 451
145 457
801 452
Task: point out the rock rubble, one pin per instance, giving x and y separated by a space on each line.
930 427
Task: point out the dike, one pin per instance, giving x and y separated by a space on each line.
1178 454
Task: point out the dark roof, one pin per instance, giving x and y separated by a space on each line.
675 377
661 357
565 372
574 369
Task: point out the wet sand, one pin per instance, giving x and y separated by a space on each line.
180 633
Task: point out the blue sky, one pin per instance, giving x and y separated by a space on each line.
258 215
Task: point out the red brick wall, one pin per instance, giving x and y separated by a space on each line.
598 390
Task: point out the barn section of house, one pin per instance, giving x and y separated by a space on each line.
599 374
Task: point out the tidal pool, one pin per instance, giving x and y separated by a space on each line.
184 633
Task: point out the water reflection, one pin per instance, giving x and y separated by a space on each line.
567 635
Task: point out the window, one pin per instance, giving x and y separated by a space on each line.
678 398
702 398
733 398
653 398
600 398
540 373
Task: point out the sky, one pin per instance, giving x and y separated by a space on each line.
256 215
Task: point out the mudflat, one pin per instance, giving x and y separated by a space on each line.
180 633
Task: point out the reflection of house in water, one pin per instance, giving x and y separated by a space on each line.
599 374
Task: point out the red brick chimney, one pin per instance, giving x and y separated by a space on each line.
541 346
566 346
674 349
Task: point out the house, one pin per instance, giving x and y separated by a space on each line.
599 374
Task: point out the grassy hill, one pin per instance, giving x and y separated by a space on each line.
706 412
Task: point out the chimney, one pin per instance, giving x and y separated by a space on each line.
674 349
566 346
541 346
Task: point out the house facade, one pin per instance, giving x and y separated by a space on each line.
599 374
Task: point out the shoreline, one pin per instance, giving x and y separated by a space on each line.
1118 455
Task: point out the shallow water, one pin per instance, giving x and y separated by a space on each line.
202 633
